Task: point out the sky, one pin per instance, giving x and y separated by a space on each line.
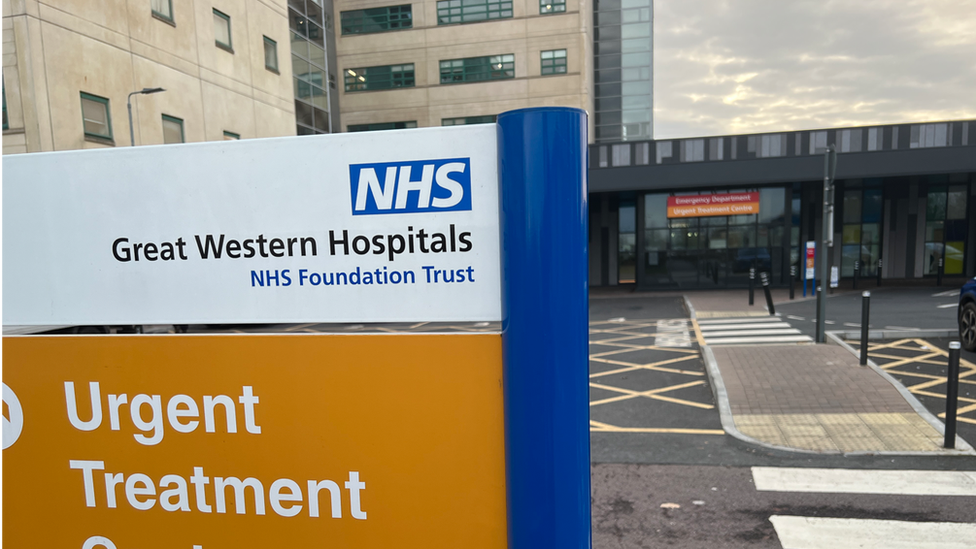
749 66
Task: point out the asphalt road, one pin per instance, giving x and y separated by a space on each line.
891 308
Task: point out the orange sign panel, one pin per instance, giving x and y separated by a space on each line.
218 442
707 205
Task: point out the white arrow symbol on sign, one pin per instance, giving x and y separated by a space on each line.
12 426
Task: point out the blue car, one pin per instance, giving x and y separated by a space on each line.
967 315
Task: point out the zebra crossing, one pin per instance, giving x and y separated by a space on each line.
817 532
750 331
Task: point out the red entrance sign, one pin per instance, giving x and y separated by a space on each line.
707 205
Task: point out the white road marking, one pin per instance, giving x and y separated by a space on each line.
947 305
947 293
791 317
781 331
899 328
763 326
745 320
830 322
852 325
839 533
759 339
672 333
850 481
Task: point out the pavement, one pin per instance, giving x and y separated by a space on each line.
776 390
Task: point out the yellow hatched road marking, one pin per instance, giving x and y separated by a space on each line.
698 333
597 426
653 393
902 362
630 366
937 395
892 345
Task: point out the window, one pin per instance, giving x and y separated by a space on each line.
693 150
554 62
474 69
389 18
818 142
231 136
172 129
96 116
929 135
4 123
489 119
162 9
469 11
222 30
270 55
946 228
552 6
382 126
380 78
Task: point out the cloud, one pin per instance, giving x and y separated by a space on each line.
726 67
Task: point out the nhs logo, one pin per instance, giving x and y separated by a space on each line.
409 187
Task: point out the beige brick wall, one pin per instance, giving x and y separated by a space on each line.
55 49
525 35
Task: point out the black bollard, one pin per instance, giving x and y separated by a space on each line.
769 298
879 273
938 282
752 283
792 280
857 271
952 395
865 316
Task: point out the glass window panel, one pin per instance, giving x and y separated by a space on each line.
270 54
954 254
316 55
162 8
389 18
303 113
851 234
299 45
172 130
452 11
554 62
956 208
656 240
552 6
742 236
3 104
852 206
96 118
655 211
935 231
772 205
627 217
935 205
231 136
930 262
956 229
626 258
222 34
850 255
872 206
870 233
716 238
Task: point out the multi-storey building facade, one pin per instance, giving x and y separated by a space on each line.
904 204
69 67
447 62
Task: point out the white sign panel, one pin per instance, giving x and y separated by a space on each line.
376 227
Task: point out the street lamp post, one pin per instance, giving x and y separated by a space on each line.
128 104
827 238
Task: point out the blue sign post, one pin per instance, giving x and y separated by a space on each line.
542 173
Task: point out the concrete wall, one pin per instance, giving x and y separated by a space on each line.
525 35
56 49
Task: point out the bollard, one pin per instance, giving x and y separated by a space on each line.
752 283
769 298
857 271
952 395
879 273
865 316
938 281
792 280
